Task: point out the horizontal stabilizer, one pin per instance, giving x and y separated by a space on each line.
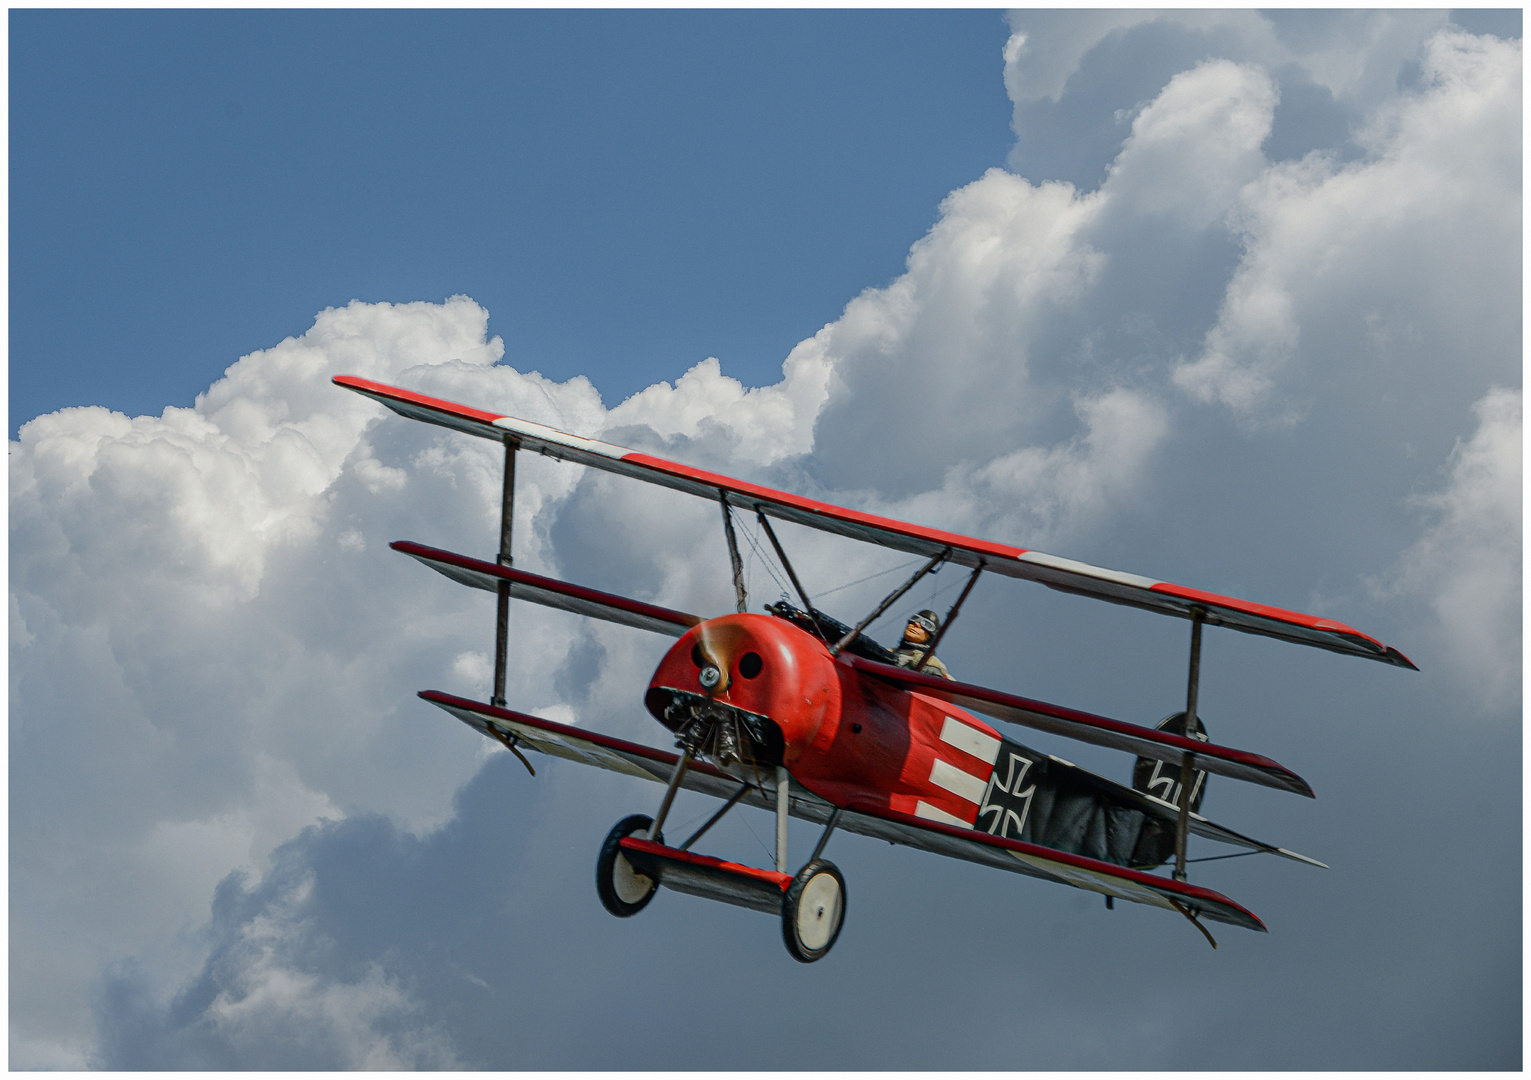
1064 574
961 842
1124 796
550 592
1087 727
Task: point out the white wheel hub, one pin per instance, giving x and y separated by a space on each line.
627 883
818 911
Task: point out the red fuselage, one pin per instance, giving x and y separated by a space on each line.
846 736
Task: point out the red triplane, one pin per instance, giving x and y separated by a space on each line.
795 712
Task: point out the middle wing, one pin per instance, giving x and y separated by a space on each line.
1033 860
1057 719
550 592
1087 727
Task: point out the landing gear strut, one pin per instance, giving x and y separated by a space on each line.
635 861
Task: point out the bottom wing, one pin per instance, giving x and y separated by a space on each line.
617 755
1079 871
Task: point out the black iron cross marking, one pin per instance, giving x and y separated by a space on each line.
1005 809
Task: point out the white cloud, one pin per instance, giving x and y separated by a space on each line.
1420 236
1064 491
277 1014
1046 46
763 424
188 685
936 368
1197 144
984 343
1467 562
1353 54
266 1000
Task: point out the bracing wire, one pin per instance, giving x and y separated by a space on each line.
1215 858
869 577
770 851
755 548
956 583
751 537
749 570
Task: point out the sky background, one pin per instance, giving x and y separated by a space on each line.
1228 299
213 179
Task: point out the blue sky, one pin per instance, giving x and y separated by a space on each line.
627 192
1227 298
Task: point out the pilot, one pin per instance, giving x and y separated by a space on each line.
917 636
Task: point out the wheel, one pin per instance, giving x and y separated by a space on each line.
813 910
623 891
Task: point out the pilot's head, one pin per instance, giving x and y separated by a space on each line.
922 627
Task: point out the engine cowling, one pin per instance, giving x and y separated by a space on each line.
776 683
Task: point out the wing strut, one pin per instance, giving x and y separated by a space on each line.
930 650
669 794
502 589
733 554
850 635
783 809
1187 766
791 573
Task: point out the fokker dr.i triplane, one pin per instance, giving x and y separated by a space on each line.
794 712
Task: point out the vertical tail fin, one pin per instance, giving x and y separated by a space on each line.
1156 843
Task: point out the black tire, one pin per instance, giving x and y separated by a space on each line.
813 911
623 891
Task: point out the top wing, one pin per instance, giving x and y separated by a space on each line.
1063 574
632 759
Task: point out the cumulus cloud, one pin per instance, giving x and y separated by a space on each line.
936 368
993 335
1076 80
1466 563
1197 144
1355 55
1055 492
760 424
1400 251
1045 47
212 649
270 996
210 636
181 643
